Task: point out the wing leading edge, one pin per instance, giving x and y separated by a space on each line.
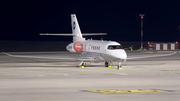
149 56
46 57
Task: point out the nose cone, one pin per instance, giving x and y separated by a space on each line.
120 54
123 54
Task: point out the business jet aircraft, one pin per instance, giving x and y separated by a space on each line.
92 50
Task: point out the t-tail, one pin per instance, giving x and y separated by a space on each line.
77 35
76 32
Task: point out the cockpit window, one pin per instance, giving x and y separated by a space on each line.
113 47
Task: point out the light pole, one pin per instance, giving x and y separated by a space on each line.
179 38
141 15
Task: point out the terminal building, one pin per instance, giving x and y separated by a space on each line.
163 46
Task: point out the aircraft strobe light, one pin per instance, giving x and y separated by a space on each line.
77 46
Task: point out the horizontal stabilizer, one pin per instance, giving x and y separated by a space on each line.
88 34
84 34
56 34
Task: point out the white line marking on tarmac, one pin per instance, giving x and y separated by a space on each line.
122 73
65 75
95 74
41 75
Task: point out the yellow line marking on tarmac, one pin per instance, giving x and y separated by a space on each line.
2 61
152 93
7 62
135 69
171 70
128 91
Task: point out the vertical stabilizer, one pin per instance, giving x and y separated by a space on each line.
77 36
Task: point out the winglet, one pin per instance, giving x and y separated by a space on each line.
175 52
6 54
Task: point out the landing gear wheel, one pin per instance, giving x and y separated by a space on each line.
119 67
82 64
107 64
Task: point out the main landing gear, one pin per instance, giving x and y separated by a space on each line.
107 64
82 64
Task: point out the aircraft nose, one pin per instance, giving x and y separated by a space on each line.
121 54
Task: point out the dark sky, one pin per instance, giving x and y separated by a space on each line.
24 20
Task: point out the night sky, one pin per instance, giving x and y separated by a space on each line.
24 20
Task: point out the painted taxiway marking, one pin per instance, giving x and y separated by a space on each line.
128 91
3 61
171 70
122 73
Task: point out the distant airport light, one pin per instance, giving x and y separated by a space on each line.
176 42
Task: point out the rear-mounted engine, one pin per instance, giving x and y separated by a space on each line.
74 47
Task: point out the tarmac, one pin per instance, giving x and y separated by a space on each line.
148 79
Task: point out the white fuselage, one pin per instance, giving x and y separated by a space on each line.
100 50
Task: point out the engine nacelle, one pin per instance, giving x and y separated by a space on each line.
74 47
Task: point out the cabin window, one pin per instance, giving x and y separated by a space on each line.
113 47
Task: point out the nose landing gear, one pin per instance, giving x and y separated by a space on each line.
119 66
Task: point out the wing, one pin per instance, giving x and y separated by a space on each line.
47 57
148 56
